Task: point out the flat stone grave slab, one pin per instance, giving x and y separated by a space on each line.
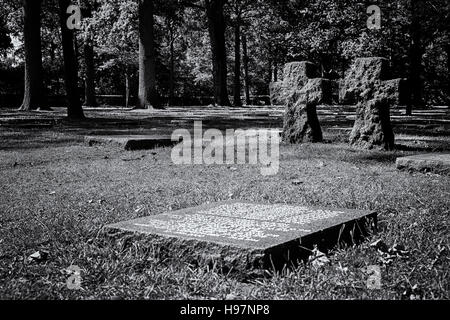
243 235
131 142
431 162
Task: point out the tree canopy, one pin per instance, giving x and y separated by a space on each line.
193 60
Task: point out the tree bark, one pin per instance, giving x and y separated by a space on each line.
447 50
415 62
269 74
32 98
148 96
216 28
237 64
74 109
246 75
275 71
127 89
89 91
172 69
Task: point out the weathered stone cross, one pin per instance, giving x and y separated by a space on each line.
305 92
366 85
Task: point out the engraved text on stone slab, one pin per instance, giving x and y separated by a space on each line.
240 221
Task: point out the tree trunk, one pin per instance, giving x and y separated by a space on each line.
269 74
447 50
216 28
172 71
32 98
74 109
148 97
237 64
415 63
127 89
89 92
275 71
89 99
246 75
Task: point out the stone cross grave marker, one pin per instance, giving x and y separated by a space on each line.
301 123
242 235
366 84
295 76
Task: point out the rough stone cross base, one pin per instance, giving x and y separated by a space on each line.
372 126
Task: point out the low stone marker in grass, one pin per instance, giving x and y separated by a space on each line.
241 236
131 142
431 162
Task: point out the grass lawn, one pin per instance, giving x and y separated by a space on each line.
56 194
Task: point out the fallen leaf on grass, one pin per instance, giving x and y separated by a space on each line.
318 259
38 256
380 245
412 293
388 255
399 250
139 209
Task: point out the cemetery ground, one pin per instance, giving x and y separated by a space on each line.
57 194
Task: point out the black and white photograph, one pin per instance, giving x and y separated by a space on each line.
224 154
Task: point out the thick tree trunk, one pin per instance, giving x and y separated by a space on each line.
246 75
148 96
32 98
237 65
216 27
74 109
89 93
